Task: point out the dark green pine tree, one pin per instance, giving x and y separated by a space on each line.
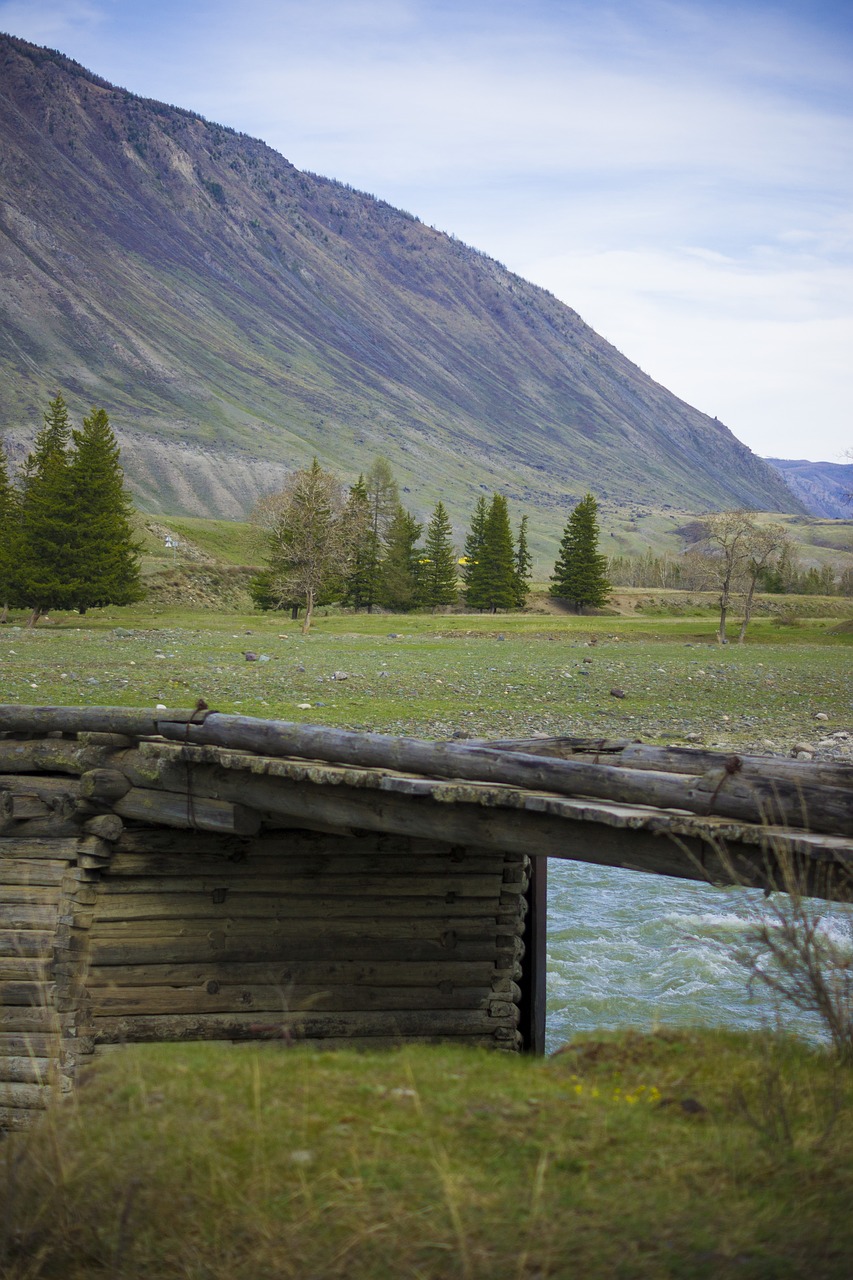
471 555
383 496
580 573
45 572
359 577
438 562
8 533
523 565
400 567
495 578
107 551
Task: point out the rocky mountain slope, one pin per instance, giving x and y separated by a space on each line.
236 316
824 488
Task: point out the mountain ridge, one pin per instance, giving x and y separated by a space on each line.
236 316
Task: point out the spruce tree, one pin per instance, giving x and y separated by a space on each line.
523 565
438 563
580 573
400 568
471 556
107 552
8 531
45 573
383 497
494 581
359 579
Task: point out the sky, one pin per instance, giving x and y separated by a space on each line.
680 172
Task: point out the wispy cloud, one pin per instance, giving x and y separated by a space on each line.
679 171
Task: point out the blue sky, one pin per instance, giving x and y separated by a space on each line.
678 171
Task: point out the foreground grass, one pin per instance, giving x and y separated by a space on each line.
676 1154
440 675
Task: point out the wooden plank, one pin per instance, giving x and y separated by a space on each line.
241 1026
309 928
175 809
32 894
235 906
241 882
381 972
533 1002
150 1001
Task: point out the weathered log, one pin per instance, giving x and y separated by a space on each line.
22 1044
28 1018
246 880
308 1025
20 916
26 942
162 867
27 1070
129 721
24 968
156 1001
230 905
31 994
49 755
187 811
271 948
107 826
31 871
104 785
29 1097
813 807
286 973
38 847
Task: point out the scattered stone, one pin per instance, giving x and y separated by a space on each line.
587 659
304 706
821 715
692 737
803 755
617 693
340 675
264 657
249 656
123 632
802 746
725 719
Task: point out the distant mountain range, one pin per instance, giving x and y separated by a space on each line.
824 488
236 316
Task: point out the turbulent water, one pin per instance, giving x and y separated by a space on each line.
627 949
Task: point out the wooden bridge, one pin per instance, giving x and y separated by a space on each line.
179 875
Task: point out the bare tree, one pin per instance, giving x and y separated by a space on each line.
764 545
306 534
728 537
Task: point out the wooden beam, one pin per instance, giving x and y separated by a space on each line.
129 721
174 809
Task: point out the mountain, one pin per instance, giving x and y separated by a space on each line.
236 316
824 488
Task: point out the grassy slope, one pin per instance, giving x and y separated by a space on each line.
633 1157
263 315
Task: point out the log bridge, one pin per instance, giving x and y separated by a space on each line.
181 875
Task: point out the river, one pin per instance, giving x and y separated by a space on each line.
628 949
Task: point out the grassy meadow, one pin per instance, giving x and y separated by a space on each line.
440 675
673 1154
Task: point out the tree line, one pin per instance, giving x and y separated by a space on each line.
66 527
359 546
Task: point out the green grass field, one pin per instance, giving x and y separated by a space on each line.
440 675
687 1155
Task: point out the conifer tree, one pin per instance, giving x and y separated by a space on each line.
580 573
523 565
359 580
438 562
470 561
494 581
106 550
400 568
8 531
44 575
383 497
